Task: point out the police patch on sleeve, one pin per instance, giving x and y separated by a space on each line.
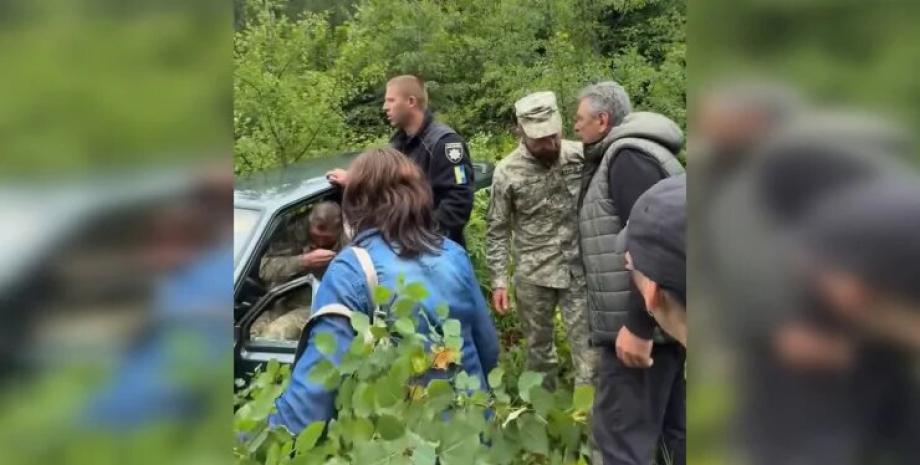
454 151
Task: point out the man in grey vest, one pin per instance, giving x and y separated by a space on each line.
637 402
534 192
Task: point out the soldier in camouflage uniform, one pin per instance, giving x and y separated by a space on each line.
306 246
534 197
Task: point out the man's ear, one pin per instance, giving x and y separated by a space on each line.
651 292
654 298
413 102
604 118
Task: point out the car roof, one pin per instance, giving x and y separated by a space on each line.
275 188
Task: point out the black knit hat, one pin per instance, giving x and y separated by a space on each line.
656 234
872 231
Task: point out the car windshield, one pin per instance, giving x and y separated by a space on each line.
244 222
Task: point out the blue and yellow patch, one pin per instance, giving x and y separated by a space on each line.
460 174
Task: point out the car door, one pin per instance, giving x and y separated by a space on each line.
251 352
248 353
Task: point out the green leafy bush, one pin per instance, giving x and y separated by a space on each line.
385 415
309 78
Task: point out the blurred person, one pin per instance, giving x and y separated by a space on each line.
190 304
533 201
656 255
438 150
389 207
637 402
807 381
305 247
731 119
860 259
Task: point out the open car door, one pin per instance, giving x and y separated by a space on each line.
250 352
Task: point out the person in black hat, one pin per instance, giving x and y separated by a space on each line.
640 406
860 255
656 255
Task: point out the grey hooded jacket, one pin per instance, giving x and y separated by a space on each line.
600 224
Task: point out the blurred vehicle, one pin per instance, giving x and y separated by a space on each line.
74 265
264 204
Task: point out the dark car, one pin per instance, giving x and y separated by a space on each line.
263 203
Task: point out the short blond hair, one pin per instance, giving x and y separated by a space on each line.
411 86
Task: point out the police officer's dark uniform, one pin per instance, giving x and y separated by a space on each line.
445 159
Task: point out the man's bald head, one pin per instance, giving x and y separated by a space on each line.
410 86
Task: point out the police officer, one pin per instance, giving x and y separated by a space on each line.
441 153
534 196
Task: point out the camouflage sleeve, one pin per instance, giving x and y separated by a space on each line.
499 230
279 268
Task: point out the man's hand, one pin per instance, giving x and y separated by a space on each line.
500 300
803 347
632 350
317 258
338 176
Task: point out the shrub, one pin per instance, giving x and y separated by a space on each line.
385 415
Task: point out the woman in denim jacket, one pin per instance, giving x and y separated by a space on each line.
388 205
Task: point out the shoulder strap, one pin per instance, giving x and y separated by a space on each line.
436 131
370 277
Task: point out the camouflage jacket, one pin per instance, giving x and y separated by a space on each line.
535 208
282 262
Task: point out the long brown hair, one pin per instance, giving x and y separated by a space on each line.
387 191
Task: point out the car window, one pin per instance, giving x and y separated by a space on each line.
244 222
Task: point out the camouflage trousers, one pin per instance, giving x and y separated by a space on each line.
536 308
280 324
285 319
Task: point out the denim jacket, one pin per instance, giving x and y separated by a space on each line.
448 275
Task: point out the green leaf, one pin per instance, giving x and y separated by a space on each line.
382 295
425 453
416 291
454 342
503 450
533 435
390 427
403 308
388 391
361 429
440 395
307 438
405 326
564 427
452 328
583 399
257 441
274 454
495 377
442 310
466 382
360 322
541 400
325 343
527 381
324 373
458 447
363 400
419 362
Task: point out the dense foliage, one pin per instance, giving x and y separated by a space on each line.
309 77
386 415
309 82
